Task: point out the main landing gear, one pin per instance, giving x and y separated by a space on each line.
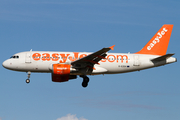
28 80
85 81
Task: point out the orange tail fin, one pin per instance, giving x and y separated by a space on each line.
159 42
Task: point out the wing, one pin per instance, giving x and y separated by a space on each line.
86 64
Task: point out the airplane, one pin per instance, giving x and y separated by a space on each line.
65 66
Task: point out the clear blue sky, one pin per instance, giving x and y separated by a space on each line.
81 25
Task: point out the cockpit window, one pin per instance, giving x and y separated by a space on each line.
15 56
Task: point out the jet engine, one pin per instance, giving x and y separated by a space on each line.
61 73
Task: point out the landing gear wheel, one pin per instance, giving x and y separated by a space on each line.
85 82
27 81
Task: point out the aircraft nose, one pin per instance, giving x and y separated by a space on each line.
5 64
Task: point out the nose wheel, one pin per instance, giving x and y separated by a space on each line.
28 80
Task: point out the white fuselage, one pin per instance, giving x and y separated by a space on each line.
42 61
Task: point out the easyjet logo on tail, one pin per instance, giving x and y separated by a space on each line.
62 58
157 39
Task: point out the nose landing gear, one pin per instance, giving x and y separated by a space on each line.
28 80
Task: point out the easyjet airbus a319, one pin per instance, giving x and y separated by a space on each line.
65 66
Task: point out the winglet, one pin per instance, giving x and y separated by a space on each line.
112 47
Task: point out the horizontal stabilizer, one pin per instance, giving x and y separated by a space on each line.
164 57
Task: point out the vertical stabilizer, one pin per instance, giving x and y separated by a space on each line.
159 42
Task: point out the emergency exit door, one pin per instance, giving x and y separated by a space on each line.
136 60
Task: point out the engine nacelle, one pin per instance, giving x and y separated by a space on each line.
60 72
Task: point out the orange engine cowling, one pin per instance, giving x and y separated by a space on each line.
60 72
